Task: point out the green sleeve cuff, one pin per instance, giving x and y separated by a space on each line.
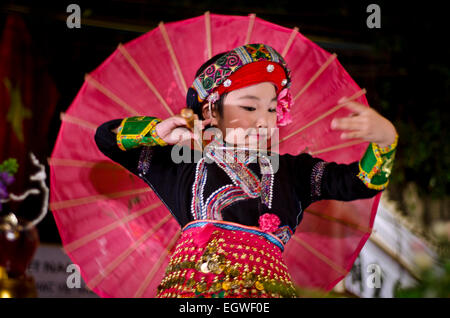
138 131
376 165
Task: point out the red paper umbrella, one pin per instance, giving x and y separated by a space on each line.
111 223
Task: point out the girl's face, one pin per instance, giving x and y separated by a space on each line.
249 115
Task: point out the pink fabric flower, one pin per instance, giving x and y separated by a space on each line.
268 222
284 100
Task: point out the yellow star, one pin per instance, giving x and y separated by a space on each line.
17 111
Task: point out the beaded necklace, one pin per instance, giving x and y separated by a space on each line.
246 183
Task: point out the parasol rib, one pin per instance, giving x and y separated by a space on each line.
322 68
251 23
346 223
89 199
144 77
208 33
289 42
77 121
335 147
327 113
321 256
119 259
163 30
99 232
110 95
155 267
83 164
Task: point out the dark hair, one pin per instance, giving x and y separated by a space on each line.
191 98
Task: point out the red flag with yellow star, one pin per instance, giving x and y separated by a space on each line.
27 100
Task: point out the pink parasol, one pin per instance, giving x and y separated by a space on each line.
114 226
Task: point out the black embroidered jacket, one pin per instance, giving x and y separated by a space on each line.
299 181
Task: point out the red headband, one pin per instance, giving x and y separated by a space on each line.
254 73
259 72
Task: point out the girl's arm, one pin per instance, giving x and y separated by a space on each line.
320 180
106 140
122 140
365 123
136 144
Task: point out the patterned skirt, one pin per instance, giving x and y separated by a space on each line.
224 259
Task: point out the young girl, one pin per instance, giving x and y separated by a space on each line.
236 210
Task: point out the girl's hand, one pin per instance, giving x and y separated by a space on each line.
365 123
173 130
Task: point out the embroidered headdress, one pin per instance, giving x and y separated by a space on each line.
244 66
